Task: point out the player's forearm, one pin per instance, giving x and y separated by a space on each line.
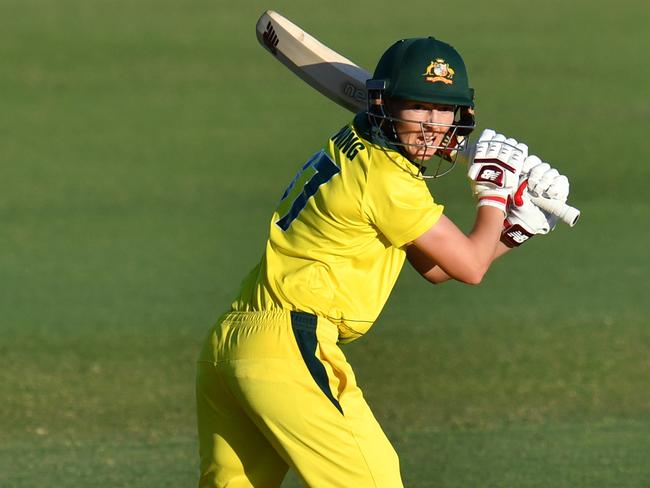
435 274
484 239
462 257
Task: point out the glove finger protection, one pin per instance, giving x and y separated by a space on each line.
545 181
484 141
558 189
507 149
540 186
529 163
536 172
494 146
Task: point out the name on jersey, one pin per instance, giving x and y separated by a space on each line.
348 142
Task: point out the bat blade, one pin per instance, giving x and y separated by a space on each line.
333 75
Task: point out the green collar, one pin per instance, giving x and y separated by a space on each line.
363 127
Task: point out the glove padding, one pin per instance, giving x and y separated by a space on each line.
524 219
495 169
545 181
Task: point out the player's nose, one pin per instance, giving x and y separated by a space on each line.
434 127
438 117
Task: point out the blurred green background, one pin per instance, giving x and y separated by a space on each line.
143 147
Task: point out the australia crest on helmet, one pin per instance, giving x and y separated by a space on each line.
439 70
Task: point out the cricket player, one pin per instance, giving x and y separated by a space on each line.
274 389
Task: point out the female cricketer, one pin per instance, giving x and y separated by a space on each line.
274 389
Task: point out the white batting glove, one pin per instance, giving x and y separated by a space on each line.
545 181
495 169
524 219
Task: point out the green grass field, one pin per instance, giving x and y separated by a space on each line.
139 163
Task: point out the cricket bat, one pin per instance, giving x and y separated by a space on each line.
341 80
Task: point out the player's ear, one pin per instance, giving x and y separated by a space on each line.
375 90
466 121
390 106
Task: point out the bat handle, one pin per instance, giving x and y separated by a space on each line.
566 213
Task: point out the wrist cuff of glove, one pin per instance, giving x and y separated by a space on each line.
493 201
515 235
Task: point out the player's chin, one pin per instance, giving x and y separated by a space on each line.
424 154
422 149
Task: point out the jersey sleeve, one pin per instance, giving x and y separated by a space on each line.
399 205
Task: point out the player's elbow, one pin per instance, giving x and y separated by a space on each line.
432 278
472 275
474 279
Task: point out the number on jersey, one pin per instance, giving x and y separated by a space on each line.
319 169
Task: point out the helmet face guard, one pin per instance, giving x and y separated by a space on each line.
426 70
445 153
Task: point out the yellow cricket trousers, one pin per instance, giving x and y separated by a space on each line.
275 391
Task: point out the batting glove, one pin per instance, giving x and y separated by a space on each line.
524 219
545 181
495 169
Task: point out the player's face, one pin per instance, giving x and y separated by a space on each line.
421 127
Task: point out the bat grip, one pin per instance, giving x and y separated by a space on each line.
566 213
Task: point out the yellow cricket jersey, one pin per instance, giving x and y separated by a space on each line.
337 239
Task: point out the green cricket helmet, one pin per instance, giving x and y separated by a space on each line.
423 69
